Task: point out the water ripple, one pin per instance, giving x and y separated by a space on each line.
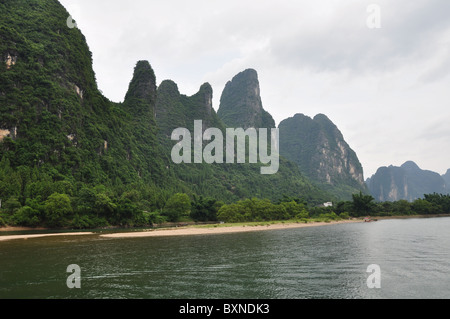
322 262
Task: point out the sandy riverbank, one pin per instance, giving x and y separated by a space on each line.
192 230
12 237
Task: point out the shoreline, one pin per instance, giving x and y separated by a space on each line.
192 230
30 236
199 229
183 231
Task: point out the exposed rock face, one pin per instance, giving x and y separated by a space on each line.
241 105
407 182
10 60
321 152
446 178
78 91
4 133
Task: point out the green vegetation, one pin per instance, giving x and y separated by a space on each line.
205 209
178 206
71 157
258 210
95 209
364 205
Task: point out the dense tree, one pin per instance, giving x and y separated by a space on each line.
255 209
440 202
402 207
205 209
294 209
12 205
422 207
57 210
26 216
232 213
344 207
362 204
178 206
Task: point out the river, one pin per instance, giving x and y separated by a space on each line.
413 256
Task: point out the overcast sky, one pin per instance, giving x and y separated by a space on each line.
387 89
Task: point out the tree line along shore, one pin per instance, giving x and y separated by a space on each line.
96 211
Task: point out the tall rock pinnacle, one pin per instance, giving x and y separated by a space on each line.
241 105
141 95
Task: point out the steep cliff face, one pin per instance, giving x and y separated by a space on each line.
54 119
241 105
407 182
319 149
47 71
140 104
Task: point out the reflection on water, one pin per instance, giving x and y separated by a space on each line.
320 262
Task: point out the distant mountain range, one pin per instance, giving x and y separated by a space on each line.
407 182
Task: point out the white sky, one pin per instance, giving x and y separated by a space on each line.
387 89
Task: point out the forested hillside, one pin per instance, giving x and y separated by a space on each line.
71 157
